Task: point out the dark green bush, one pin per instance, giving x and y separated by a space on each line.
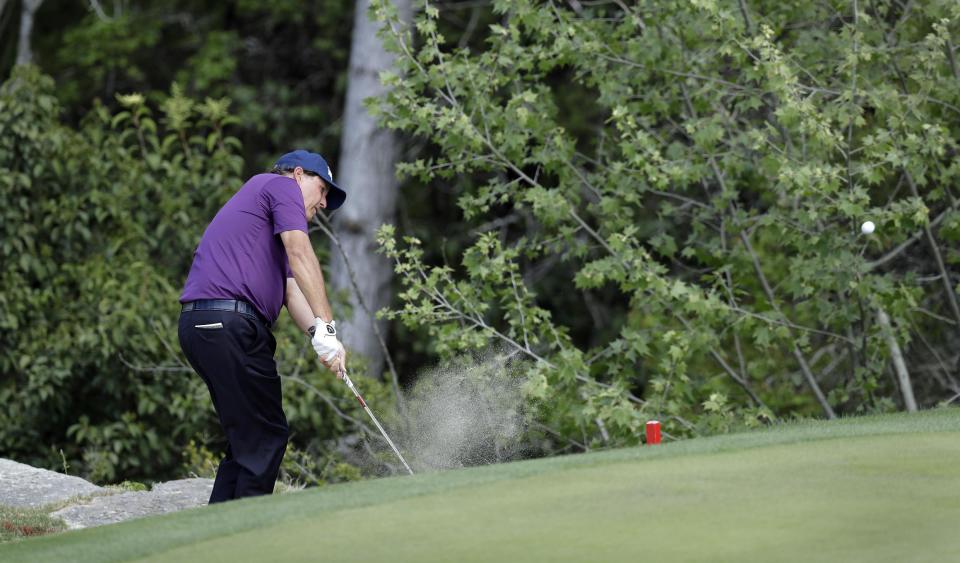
97 231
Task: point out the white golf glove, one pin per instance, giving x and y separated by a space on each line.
325 341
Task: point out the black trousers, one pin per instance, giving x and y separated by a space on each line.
233 353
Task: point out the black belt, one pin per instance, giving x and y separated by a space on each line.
234 305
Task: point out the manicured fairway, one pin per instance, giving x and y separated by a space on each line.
870 489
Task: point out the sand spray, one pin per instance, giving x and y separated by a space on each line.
465 411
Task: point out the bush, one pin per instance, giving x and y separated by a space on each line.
661 206
96 237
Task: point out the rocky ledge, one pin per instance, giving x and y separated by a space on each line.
82 504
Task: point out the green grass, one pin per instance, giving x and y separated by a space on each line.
865 489
17 523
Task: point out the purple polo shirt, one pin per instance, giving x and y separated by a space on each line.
241 255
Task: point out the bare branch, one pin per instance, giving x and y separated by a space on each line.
329 401
896 356
935 249
804 368
556 434
907 243
154 369
98 9
324 225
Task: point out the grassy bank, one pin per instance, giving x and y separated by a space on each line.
866 489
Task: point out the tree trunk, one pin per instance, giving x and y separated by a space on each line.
368 156
903 376
24 53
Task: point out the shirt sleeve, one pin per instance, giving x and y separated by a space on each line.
285 203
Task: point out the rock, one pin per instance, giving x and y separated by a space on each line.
22 485
90 505
165 497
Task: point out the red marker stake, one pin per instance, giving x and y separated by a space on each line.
653 432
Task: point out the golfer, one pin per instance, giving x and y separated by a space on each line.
254 258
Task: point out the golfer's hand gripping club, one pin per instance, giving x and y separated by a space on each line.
346 379
324 340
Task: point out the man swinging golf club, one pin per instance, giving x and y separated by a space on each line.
255 257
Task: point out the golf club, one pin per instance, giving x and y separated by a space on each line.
346 379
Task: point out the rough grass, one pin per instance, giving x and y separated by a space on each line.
17 523
863 489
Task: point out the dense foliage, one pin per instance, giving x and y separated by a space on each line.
97 233
663 203
281 62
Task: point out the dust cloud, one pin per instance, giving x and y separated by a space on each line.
465 412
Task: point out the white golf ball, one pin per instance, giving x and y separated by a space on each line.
867 227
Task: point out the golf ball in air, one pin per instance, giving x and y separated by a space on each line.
867 227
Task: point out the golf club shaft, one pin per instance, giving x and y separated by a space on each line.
346 379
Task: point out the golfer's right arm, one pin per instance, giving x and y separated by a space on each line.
306 270
298 307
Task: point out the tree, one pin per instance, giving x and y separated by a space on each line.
281 62
368 157
90 247
703 225
28 11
